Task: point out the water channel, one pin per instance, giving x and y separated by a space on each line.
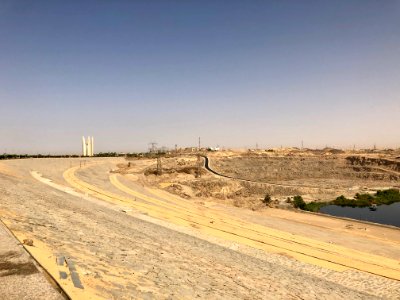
385 214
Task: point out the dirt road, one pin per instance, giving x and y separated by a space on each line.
130 241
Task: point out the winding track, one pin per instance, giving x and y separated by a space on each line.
207 166
221 225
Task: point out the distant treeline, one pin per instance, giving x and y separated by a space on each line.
23 156
108 154
146 154
132 155
100 154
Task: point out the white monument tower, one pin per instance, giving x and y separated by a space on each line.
87 146
83 146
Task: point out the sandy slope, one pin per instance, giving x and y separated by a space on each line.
131 241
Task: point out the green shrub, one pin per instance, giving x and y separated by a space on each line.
387 196
343 201
363 200
364 197
315 206
298 202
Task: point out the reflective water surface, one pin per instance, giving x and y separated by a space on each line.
385 214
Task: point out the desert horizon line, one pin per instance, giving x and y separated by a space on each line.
217 148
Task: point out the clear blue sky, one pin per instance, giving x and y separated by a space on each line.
235 73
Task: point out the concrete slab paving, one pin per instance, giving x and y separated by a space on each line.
20 277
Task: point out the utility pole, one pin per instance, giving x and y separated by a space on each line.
302 145
199 144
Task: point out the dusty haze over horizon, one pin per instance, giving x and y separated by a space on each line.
237 74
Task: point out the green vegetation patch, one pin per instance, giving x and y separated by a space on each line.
298 202
387 196
315 206
360 200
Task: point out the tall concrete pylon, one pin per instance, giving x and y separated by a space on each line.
83 146
88 146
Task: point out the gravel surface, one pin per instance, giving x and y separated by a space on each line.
125 257
20 278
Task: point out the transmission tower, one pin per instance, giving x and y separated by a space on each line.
152 147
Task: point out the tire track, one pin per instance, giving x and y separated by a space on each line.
257 236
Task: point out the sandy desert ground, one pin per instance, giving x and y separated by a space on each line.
249 175
130 238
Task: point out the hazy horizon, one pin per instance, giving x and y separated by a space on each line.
235 73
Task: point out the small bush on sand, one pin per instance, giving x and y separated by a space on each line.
267 199
298 202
